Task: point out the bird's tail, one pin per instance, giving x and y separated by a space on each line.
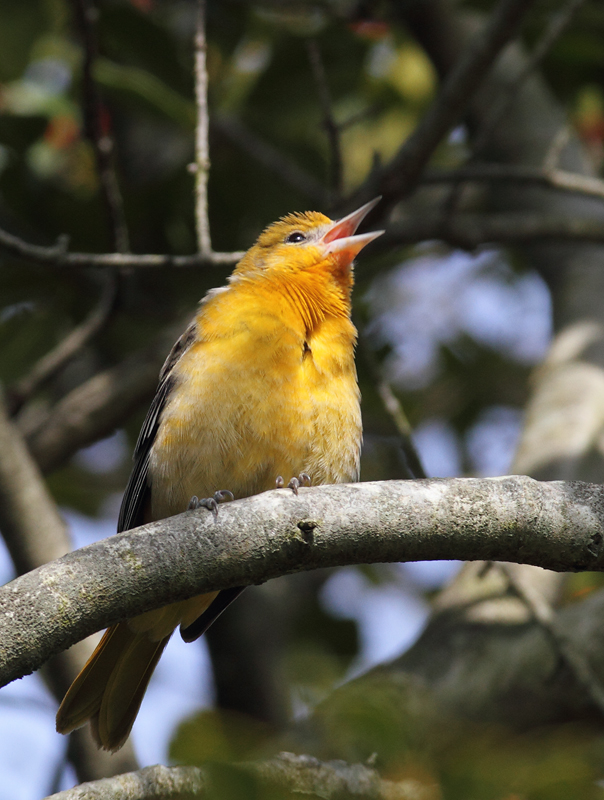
110 688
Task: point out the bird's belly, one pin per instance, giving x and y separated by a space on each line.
241 432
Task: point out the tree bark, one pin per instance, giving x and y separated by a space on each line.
555 525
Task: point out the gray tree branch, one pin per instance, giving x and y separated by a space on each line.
553 178
95 408
35 533
558 526
58 255
469 231
60 355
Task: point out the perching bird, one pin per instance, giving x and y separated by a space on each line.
261 385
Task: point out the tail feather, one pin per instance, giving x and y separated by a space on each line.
125 690
110 688
83 698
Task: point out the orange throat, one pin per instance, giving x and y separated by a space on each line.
318 293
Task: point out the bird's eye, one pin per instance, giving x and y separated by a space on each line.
295 237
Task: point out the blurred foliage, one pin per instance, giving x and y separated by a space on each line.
380 82
218 735
394 727
397 721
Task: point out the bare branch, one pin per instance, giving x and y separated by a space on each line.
408 232
30 522
101 139
202 150
557 526
464 230
329 123
294 774
510 173
393 408
559 142
469 231
59 356
59 256
35 533
398 416
400 177
95 408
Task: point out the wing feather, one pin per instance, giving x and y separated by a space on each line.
138 491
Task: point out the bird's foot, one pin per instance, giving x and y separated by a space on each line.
302 480
211 503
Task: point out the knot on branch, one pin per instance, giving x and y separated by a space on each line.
306 528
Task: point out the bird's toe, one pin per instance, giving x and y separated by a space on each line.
211 503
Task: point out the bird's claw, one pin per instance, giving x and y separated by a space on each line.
223 496
211 503
303 479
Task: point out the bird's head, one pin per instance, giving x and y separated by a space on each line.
308 242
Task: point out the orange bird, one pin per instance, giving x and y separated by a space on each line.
261 384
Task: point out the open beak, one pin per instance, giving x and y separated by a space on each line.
339 239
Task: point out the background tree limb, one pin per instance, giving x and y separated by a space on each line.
35 533
295 774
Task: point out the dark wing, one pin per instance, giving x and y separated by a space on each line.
211 614
138 491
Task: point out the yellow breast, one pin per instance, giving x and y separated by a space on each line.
256 396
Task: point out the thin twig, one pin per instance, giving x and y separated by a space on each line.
401 175
95 408
393 408
95 127
558 179
58 256
329 123
554 151
359 116
544 615
464 230
202 150
59 356
469 231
